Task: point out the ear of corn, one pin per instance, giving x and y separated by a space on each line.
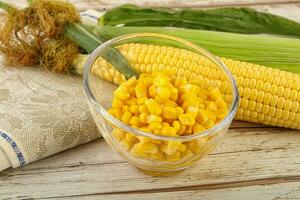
268 96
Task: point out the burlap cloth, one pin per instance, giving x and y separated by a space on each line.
41 113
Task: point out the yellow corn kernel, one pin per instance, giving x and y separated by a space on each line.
153 107
182 148
181 130
170 103
126 117
191 102
122 94
143 117
158 156
143 109
134 109
143 139
211 106
126 145
118 113
141 101
188 130
168 131
180 111
174 94
193 146
162 94
153 118
187 119
214 94
221 103
187 153
208 124
174 157
125 108
169 112
130 138
140 90
192 111
135 121
146 147
176 125
117 103
202 117
152 91
118 134
165 124
131 101
179 81
198 128
112 111
170 148
155 126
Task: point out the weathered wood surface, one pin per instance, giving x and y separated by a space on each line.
253 162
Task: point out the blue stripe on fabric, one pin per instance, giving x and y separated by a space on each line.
15 147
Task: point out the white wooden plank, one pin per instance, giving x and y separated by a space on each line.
266 192
271 156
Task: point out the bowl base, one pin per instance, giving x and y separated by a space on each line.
160 173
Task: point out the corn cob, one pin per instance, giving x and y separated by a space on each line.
268 96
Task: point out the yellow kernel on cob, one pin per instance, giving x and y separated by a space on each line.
153 107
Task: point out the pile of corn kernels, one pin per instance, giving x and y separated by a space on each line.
165 105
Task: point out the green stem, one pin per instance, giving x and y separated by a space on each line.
90 42
29 2
5 6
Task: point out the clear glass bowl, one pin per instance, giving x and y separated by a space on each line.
100 94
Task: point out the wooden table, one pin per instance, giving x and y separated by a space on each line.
253 162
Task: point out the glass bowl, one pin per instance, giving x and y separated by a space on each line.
188 148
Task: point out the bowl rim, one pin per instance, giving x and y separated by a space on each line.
119 124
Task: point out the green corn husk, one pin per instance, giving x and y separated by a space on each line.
235 20
277 52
